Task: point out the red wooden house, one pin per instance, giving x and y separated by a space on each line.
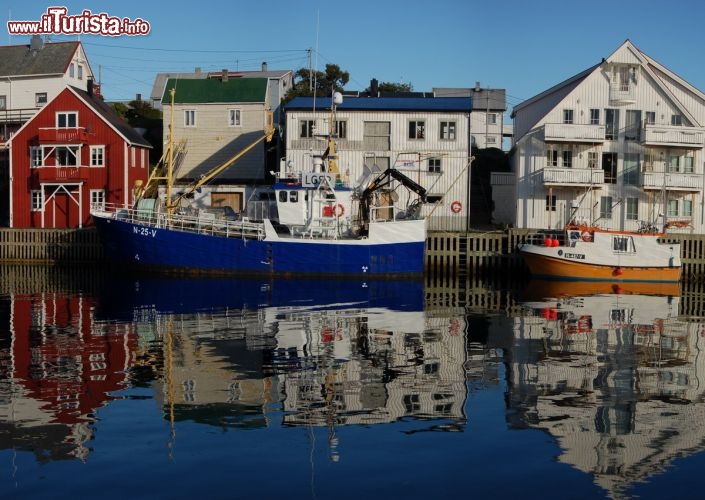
73 154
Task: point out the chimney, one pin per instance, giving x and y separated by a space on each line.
224 78
89 86
138 97
264 66
374 88
36 43
477 86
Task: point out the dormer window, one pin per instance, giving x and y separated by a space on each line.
80 72
40 99
72 70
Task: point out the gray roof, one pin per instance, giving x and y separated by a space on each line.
439 104
51 58
110 116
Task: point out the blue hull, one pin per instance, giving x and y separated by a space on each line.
168 250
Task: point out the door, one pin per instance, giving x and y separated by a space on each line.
233 200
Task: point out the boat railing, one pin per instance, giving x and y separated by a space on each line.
200 224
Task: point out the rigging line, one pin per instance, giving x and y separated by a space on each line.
157 49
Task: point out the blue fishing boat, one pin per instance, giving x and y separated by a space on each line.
314 224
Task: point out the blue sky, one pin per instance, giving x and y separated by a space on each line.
521 46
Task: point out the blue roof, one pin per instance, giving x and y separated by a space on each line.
462 104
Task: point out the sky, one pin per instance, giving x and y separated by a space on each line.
524 47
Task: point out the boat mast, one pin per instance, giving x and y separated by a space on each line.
170 159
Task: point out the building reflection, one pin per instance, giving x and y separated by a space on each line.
614 377
58 368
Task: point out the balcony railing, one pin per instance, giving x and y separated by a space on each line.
558 176
63 135
672 181
61 174
673 135
572 132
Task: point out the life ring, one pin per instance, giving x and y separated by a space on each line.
456 207
338 210
586 236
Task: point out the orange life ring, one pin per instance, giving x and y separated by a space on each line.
338 210
456 207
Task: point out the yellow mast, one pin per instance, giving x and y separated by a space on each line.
170 160
331 155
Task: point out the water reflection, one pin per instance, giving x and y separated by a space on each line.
613 373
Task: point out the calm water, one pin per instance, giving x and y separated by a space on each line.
137 387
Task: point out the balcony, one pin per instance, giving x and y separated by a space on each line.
672 181
572 132
61 174
673 135
573 177
62 135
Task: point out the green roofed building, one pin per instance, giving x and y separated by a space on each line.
214 119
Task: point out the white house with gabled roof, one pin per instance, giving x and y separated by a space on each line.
619 145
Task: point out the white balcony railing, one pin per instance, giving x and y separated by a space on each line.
559 176
673 135
572 132
672 181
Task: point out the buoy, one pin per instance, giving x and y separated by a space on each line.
618 271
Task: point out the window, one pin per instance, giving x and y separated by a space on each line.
189 117
3 102
434 165
551 157
447 131
631 169
491 139
97 199
66 156
623 244
308 128
632 129
567 116
673 164
80 72
672 209
594 117
294 196
132 156
688 164
40 98
417 129
609 166
606 207
592 159
550 203
567 159
36 156
67 119
97 156
650 117
687 208
72 70
234 118
676 120
341 129
37 201
624 78
492 118
611 124
632 208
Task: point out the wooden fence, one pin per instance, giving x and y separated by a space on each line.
451 258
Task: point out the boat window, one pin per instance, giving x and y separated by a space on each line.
283 196
622 244
294 196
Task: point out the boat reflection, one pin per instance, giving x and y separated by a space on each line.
538 289
613 377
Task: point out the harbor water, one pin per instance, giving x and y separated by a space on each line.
136 386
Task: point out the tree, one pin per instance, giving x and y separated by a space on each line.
333 79
389 87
